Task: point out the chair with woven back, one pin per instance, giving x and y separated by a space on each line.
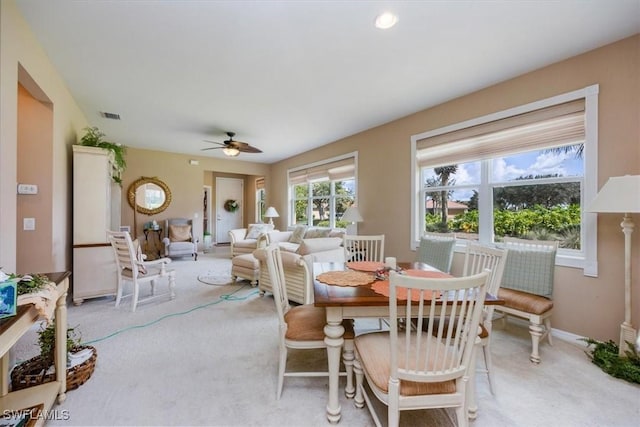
436 249
302 326
132 268
527 287
428 366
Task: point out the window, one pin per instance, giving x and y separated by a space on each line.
261 206
321 192
525 172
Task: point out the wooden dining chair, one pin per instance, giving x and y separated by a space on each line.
302 326
478 258
436 249
132 268
363 248
428 366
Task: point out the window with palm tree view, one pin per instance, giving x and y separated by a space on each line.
532 195
526 172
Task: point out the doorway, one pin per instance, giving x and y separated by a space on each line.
206 217
228 189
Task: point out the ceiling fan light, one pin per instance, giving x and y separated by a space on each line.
231 151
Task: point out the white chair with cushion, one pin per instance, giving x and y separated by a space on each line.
364 248
247 240
301 327
132 268
478 258
436 249
428 366
179 240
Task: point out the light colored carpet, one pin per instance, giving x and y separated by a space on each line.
209 357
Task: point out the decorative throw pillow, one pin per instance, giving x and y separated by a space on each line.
337 233
315 233
319 244
180 233
298 234
255 230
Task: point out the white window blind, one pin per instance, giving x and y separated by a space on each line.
332 171
558 125
259 183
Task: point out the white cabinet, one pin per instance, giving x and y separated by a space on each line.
96 208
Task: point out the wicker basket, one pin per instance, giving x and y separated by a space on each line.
33 372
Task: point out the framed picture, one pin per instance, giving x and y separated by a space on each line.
125 228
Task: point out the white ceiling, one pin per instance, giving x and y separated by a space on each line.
288 76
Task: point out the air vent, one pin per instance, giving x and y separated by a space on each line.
112 116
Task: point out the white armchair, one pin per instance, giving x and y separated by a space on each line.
247 240
179 240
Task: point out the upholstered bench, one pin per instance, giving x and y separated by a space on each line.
536 309
246 267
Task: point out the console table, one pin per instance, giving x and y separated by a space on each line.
12 328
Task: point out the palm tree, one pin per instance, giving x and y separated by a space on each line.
444 173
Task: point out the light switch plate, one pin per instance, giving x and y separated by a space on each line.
27 189
28 224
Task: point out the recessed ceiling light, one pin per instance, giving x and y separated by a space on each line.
386 20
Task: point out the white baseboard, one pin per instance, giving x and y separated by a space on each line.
565 336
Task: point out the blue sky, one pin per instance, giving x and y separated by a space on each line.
509 168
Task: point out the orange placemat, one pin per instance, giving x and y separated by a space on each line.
345 278
365 265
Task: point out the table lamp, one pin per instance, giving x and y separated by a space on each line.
621 194
271 213
352 216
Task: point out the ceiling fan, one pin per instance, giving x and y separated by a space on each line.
232 148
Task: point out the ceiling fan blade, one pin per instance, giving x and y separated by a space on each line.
215 142
212 148
246 148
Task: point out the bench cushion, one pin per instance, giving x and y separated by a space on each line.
524 301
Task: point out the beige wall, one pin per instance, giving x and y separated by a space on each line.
186 183
584 306
35 130
23 60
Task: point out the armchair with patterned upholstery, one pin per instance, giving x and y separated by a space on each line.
179 240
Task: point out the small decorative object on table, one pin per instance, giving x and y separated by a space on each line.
8 295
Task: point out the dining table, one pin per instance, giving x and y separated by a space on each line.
355 300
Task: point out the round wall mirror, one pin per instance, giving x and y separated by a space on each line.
151 195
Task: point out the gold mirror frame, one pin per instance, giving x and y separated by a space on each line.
131 195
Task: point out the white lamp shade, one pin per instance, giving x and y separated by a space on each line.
621 194
352 215
271 213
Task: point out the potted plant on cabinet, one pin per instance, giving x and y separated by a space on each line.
93 137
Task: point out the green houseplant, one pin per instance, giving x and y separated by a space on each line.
94 137
81 360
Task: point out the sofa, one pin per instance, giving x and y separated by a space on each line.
298 259
324 243
246 240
